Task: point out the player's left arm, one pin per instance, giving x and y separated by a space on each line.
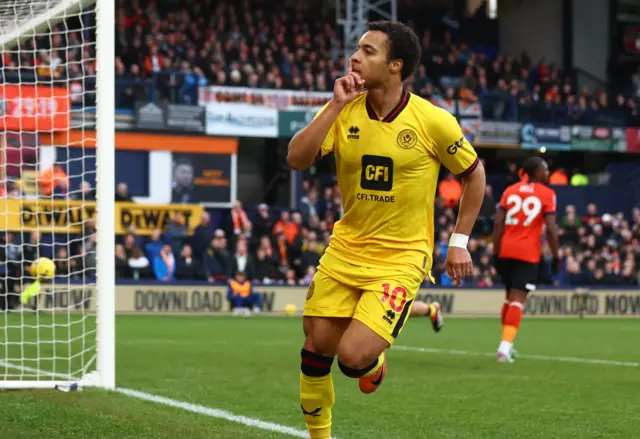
457 155
498 230
498 227
550 222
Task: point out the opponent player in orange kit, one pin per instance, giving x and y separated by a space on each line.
388 146
526 208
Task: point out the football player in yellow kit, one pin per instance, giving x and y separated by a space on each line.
388 146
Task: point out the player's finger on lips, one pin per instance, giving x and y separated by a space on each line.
348 85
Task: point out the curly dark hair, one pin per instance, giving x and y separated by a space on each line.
404 44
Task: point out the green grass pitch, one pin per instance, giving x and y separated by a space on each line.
250 367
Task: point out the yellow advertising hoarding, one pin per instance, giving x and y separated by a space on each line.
67 216
211 300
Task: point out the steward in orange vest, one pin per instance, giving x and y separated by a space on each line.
242 299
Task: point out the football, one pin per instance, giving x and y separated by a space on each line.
43 269
290 309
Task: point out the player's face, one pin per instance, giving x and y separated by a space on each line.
184 175
371 59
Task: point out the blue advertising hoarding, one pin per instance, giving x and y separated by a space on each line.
552 137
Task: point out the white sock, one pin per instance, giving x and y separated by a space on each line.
505 348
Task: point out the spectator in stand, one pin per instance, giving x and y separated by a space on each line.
310 254
309 205
263 223
139 265
217 262
31 250
487 212
266 268
308 277
65 266
579 179
242 261
592 214
86 192
202 235
122 267
53 181
450 190
240 223
290 278
177 232
285 226
187 268
153 247
164 264
559 177
122 193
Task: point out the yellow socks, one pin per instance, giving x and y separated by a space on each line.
316 393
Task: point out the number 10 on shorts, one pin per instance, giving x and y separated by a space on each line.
391 295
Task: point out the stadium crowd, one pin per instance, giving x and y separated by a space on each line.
180 46
597 248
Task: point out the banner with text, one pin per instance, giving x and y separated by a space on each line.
176 118
201 178
498 134
62 216
211 299
240 119
34 108
589 138
290 122
264 98
550 136
469 115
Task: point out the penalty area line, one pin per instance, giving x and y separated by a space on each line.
190 407
524 356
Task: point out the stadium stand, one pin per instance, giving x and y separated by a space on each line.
165 54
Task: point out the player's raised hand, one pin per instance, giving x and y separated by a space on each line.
458 264
348 87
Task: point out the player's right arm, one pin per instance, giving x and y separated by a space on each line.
317 138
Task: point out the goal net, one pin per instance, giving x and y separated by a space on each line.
56 192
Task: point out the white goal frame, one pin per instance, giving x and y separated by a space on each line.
104 375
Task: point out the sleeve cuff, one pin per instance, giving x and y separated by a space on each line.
470 169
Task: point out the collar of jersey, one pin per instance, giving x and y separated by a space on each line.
404 101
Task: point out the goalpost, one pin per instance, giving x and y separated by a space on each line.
56 74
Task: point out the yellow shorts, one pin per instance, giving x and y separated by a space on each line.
382 300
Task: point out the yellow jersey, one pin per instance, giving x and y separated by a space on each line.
387 171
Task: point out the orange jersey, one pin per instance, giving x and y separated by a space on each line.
525 204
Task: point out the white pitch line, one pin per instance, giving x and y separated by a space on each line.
194 408
216 413
525 356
